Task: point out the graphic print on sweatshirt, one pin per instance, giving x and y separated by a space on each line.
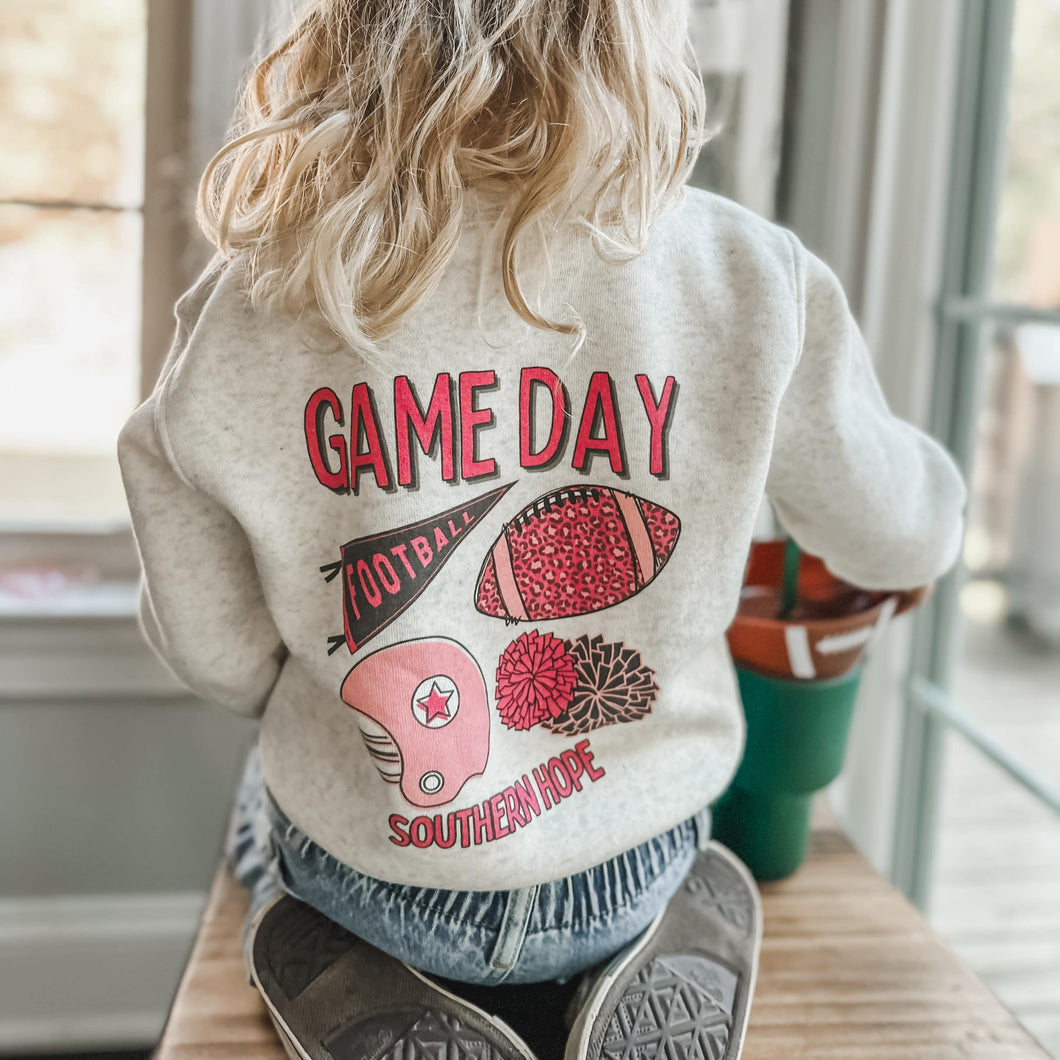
424 717
422 705
382 574
572 687
575 551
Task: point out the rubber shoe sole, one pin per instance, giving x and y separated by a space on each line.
332 996
684 988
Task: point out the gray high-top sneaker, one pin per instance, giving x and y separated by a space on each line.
683 989
332 996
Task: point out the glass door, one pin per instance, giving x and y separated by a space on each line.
977 841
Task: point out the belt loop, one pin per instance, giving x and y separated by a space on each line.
512 931
701 822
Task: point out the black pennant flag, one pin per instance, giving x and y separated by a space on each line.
383 574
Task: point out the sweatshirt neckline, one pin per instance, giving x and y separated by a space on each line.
486 203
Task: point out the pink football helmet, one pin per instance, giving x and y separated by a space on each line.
424 716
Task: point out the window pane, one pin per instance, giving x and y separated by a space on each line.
1012 548
995 889
716 167
72 82
996 884
1027 253
69 360
740 51
1009 650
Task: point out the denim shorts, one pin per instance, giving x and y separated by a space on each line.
548 931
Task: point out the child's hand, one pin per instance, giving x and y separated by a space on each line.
910 598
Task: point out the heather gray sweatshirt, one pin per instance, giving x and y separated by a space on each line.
478 596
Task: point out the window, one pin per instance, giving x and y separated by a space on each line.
740 47
94 221
978 840
114 106
71 229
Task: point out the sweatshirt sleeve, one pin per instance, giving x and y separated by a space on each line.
202 607
877 499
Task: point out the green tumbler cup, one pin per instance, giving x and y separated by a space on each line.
796 740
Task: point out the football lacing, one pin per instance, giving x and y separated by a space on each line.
544 504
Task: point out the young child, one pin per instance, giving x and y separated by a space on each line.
450 478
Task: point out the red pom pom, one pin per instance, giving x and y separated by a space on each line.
535 680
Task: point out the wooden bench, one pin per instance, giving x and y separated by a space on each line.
849 971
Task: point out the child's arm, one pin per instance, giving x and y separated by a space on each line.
877 499
201 603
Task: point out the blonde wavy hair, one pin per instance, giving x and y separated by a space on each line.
342 187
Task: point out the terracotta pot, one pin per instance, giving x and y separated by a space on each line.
828 632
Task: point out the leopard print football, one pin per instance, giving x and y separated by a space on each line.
573 552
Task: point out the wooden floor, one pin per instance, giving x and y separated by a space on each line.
849 971
996 893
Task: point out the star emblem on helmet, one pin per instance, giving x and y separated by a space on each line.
435 701
436 704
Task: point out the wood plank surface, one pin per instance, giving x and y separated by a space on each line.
849 971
